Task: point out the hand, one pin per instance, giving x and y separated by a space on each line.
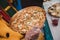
32 34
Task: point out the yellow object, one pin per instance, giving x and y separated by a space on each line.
41 36
14 8
7 33
8 7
